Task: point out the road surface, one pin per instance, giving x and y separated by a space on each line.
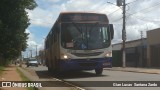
76 77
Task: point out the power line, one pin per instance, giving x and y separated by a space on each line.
144 9
117 19
132 2
147 12
138 11
143 19
114 11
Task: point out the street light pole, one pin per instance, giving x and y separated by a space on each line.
124 34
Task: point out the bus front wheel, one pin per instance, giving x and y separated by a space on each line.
99 71
49 69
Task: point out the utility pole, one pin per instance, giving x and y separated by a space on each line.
27 54
141 49
36 51
31 53
124 33
123 3
141 37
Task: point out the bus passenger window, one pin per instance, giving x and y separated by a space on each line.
55 38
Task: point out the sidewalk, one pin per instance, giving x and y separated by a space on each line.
137 70
33 76
10 74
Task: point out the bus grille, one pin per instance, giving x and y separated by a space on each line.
87 64
87 54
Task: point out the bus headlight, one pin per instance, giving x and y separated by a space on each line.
65 57
108 54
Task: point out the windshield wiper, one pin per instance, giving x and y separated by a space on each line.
79 30
95 25
83 46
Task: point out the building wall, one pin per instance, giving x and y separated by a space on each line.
134 55
153 48
130 44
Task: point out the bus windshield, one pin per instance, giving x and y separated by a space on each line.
84 36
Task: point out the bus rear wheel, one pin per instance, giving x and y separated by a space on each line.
99 71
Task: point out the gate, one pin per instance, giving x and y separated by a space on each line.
155 55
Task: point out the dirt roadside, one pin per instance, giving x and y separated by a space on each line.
10 74
33 76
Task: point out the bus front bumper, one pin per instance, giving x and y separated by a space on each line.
84 64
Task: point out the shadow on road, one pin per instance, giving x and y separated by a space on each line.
80 74
67 75
43 74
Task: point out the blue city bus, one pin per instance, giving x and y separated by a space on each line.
79 41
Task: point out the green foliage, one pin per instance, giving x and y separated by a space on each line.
1 69
24 78
13 23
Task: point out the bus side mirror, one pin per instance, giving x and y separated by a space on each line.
111 30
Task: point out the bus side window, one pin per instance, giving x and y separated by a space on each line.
56 32
55 36
51 38
46 45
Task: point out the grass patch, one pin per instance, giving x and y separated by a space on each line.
1 69
24 78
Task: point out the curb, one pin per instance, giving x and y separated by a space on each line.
132 71
74 87
19 68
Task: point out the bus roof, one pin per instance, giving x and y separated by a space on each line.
82 16
79 13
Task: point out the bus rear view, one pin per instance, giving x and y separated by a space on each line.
79 41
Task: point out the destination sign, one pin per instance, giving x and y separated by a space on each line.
83 17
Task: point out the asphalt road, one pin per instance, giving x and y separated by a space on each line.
76 78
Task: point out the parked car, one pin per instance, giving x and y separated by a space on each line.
32 62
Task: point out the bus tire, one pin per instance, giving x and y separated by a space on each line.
49 69
99 71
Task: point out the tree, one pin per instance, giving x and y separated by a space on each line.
13 23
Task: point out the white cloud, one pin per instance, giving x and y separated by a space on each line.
76 5
53 1
32 44
40 17
142 20
87 5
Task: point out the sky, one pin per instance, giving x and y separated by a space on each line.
141 15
